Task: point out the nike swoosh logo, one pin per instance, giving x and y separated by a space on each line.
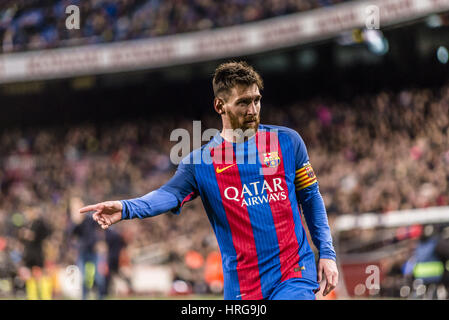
223 169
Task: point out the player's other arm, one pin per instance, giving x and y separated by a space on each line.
312 204
315 212
170 197
310 199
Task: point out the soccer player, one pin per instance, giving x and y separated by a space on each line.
252 179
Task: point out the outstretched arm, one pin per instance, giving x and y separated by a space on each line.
150 205
170 197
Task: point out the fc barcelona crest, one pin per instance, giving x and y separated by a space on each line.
271 159
310 172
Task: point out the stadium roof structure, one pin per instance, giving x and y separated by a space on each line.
251 38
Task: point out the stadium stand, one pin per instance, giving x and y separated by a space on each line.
31 25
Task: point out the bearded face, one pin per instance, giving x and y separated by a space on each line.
242 108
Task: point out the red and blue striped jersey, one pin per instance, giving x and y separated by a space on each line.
252 193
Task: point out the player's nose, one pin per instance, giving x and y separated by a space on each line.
252 109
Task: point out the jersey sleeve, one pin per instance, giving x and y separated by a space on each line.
183 184
311 201
180 189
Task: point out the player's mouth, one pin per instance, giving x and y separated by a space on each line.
253 121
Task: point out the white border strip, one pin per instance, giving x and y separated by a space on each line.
392 219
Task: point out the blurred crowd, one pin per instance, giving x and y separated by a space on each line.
373 153
379 153
41 24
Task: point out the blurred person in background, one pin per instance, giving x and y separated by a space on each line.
115 244
442 252
213 272
7 268
33 234
425 265
91 251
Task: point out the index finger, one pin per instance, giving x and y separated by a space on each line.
92 207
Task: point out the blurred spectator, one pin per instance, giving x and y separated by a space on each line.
115 244
91 256
213 272
427 267
442 252
33 237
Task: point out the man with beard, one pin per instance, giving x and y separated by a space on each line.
252 179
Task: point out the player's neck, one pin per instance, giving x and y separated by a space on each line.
237 135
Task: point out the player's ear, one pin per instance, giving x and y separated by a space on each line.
219 105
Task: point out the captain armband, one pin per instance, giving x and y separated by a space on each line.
305 177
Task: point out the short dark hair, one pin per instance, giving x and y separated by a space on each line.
229 74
